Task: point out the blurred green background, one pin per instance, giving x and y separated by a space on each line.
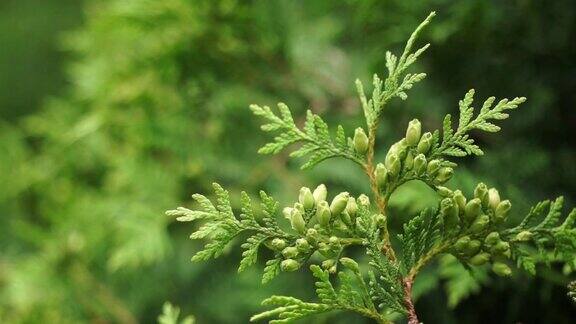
113 111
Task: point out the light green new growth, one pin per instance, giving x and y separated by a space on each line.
171 315
472 228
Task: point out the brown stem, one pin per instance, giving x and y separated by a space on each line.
412 317
381 201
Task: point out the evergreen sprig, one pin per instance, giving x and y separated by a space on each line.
315 136
472 228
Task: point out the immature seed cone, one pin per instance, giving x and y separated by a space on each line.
393 164
425 143
306 198
311 235
323 213
289 265
479 224
462 243
360 141
450 212
493 198
290 252
278 244
320 193
287 212
501 269
502 210
459 199
492 238
399 148
364 200
381 174
420 164
500 247
302 245
297 221
413 132
444 174
480 259
433 167
352 207
472 247
444 192
481 192
339 203
472 209
408 161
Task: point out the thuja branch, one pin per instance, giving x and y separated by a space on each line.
473 228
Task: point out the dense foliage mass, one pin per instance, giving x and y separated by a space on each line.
472 229
155 107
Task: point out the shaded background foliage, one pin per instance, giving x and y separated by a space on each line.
113 111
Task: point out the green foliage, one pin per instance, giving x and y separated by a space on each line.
315 136
154 107
459 143
472 229
171 315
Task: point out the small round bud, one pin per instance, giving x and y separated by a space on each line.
409 161
399 148
302 245
425 143
334 240
479 224
320 193
289 265
380 220
278 244
413 132
360 141
492 238
472 248
297 221
323 213
493 198
420 164
287 212
449 210
500 247
481 192
393 164
472 209
524 236
444 174
502 210
459 199
381 174
350 264
462 243
364 200
444 192
433 167
306 198
501 269
290 252
479 259
298 206
339 203
327 264
352 207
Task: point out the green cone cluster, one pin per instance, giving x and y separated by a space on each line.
408 158
474 221
315 219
